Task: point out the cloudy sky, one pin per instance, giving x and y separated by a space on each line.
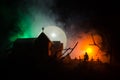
25 18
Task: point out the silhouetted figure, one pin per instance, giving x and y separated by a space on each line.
86 57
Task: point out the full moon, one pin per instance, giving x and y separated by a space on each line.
55 33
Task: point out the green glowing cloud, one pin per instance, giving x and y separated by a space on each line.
31 23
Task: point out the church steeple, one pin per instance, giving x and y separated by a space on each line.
42 38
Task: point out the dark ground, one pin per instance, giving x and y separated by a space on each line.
58 71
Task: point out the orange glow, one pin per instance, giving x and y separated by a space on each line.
89 50
84 46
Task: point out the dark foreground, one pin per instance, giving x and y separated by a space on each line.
59 71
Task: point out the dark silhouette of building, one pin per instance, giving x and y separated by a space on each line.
31 56
31 50
35 50
56 49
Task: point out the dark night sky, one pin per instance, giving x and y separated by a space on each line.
100 15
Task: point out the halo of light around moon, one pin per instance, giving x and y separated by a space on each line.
55 33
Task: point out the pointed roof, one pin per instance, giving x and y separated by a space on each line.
42 37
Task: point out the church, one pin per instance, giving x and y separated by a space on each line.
35 50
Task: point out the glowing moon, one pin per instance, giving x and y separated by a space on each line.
55 33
